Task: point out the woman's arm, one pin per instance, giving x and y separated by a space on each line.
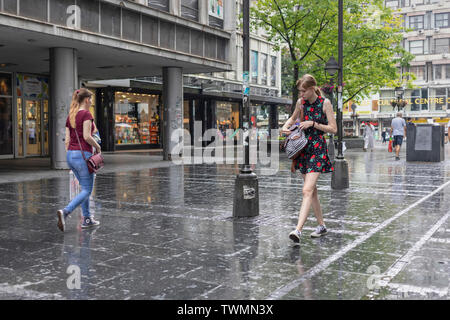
67 139
331 127
298 113
87 127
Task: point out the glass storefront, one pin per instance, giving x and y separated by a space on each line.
6 118
227 116
32 115
136 119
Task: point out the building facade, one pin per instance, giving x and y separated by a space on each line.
427 36
49 48
214 98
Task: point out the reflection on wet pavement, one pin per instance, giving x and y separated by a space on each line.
168 233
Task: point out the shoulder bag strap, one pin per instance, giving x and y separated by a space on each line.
81 149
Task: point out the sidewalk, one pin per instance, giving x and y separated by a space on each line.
167 232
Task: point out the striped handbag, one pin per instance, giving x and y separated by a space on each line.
293 146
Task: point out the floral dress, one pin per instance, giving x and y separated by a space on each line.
314 157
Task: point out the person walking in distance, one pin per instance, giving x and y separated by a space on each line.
317 117
369 140
79 129
383 135
398 131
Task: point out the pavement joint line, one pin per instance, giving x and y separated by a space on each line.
283 290
398 266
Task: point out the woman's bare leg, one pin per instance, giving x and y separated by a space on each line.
316 205
308 197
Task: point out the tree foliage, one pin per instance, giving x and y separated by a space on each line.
308 30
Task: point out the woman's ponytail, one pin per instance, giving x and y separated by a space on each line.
74 107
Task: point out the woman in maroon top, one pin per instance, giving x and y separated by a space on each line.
79 128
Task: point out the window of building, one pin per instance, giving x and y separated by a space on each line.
33 9
438 99
416 47
437 72
442 45
392 3
136 118
254 66
418 71
6 124
216 13
273 71
189 9
263 68
441 20
159 4
416 22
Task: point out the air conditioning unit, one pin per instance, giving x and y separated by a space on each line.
445 55
436 29
413 6
420 31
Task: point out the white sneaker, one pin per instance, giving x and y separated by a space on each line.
295 235
320 231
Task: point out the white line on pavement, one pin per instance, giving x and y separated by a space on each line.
404 260
282 291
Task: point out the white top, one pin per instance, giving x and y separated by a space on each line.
398 124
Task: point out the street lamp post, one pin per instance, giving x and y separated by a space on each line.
331 67
339 178
246 194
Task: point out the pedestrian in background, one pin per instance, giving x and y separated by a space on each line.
398 131
317 117
383 135
369 139
79 129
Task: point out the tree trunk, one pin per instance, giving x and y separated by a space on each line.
294 89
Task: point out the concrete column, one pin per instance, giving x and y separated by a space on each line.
173 108
175 7
63 82
203 12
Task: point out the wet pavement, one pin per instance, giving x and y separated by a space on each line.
167 232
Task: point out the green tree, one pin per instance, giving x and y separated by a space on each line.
309 32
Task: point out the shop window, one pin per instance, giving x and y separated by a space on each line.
189 9
136 119
33 9
6 125
227 116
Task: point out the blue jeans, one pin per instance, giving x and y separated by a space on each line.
80 169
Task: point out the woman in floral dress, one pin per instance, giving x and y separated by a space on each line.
317 117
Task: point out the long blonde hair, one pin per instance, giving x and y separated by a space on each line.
308 81
77 98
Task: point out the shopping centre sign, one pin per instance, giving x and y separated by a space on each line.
442 101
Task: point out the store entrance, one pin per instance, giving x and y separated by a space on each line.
32 127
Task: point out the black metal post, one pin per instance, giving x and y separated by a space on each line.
340 176
246 193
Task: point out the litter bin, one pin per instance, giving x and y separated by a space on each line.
425 142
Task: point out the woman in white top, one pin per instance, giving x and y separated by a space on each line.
369 140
